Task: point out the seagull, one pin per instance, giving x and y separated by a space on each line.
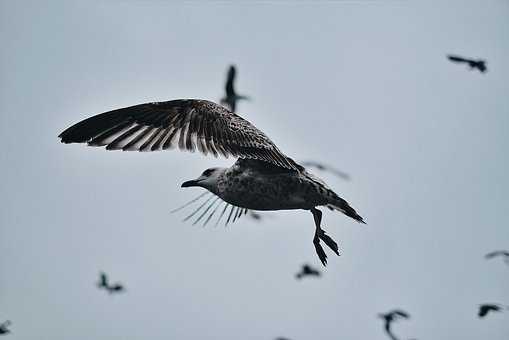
3 328
231 98
323 167
498 253
103 284
262 178
478 64
486 308
307 270
390 317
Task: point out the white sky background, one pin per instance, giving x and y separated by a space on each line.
364 86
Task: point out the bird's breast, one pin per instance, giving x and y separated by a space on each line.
256 191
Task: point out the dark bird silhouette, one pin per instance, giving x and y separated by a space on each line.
323 167
231 97
486 308
390 317
103 284
478 64
307 270
3 328
498 253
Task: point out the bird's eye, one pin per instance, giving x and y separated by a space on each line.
207 172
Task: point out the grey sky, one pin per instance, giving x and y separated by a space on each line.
364 86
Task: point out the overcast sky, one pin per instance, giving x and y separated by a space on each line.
361 85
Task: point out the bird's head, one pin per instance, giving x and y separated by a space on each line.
207 180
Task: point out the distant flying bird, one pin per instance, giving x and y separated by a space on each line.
307 270
498 253
486 308
390 317
478 64
4 328
323 167
262 178
231 97
256 215
103 284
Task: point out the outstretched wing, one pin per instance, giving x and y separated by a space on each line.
189 123
230 79
401 313
324 167
457 59
494 254
103 279
485 309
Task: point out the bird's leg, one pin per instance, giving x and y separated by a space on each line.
320 234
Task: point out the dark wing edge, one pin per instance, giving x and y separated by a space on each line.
457 59
496 253
230 82
402 314
189 123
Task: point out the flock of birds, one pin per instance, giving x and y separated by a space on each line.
263 178
397 314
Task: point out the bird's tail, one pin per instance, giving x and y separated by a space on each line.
339 204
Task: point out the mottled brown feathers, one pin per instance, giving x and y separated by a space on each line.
189 124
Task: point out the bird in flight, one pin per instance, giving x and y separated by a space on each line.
390 317
231 97
262 178
4 327
478 64
103 284
486 308
498 253
307 270
327 168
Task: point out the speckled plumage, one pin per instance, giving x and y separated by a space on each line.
257 185
263 178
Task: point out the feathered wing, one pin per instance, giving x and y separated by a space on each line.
230 79
486 308
492 254
457 59
323 167
496 253
189 123
103 280
401 313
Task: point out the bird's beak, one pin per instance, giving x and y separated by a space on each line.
191 183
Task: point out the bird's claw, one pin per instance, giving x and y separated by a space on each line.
329 241
321 235
319 251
